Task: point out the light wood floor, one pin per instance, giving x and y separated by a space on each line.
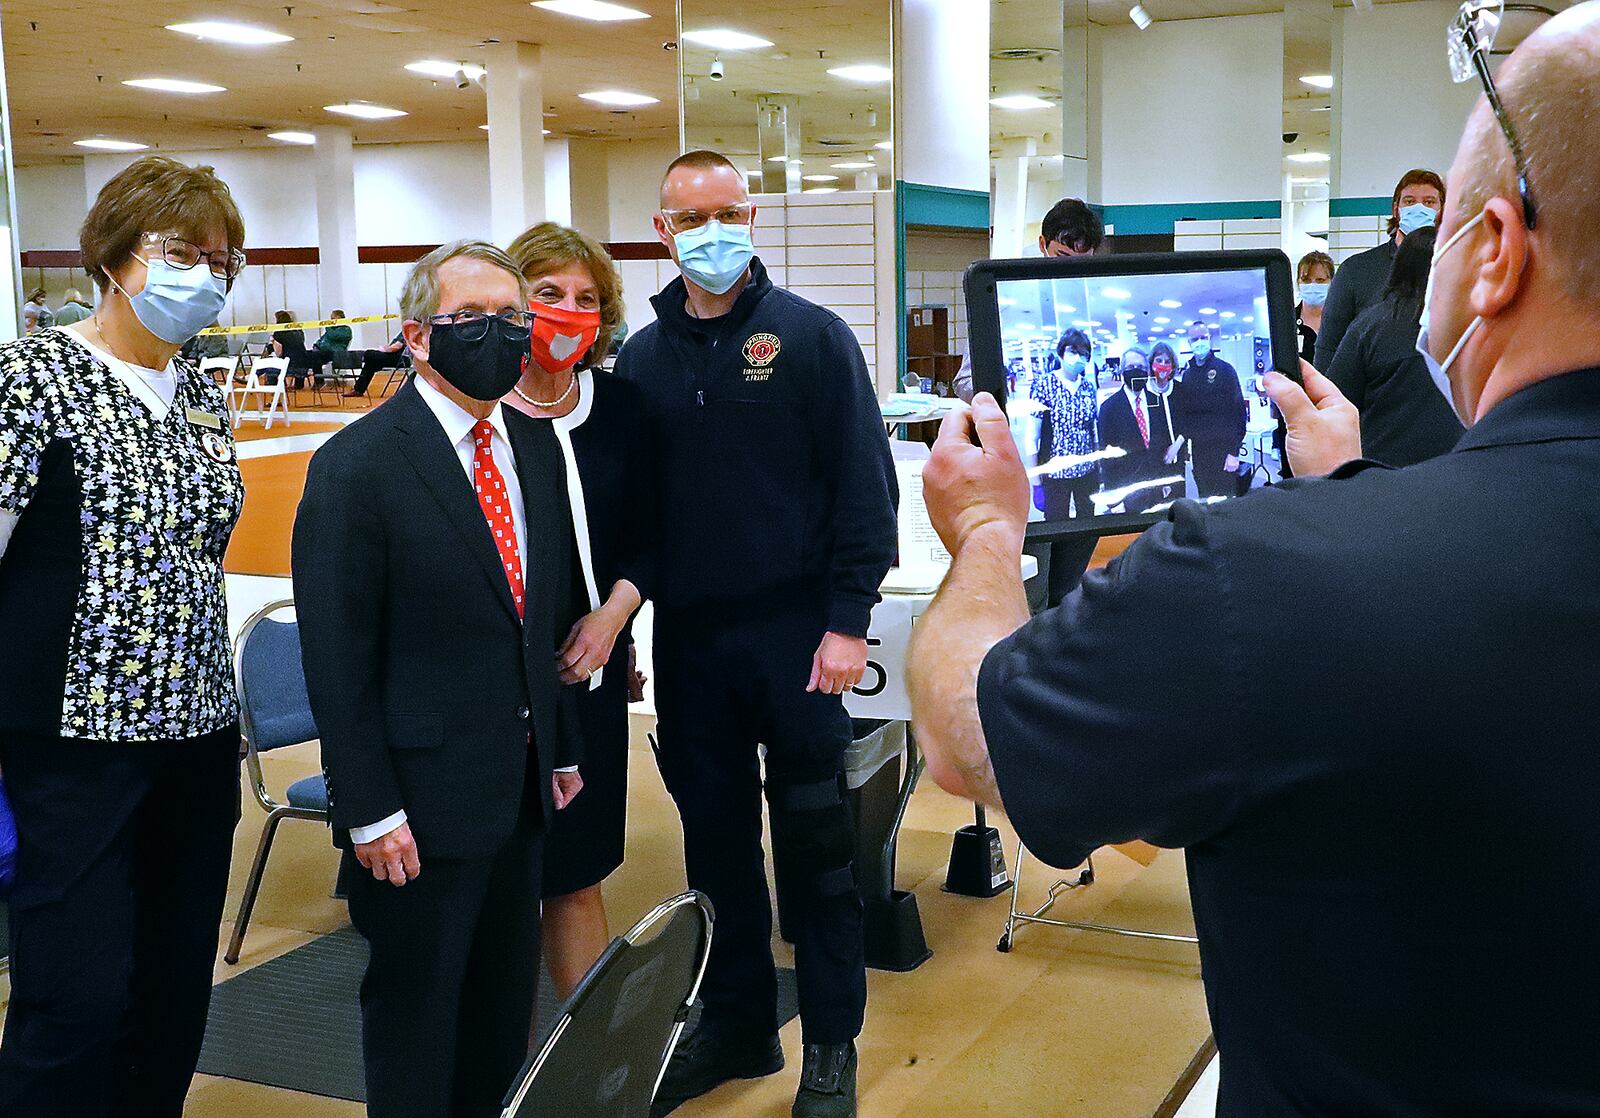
1068 1023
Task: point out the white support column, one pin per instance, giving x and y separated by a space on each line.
336 219
942 93
516 139
1010 205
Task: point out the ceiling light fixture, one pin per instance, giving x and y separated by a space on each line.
110 145
884 145
863 73
1141 18
1171 304
1020 102
854 166
237 34
1116 293
174 85
820 178
365 110
721 38
597 10
1208 310
617 98
1318 81
304 138
1309 157
433 68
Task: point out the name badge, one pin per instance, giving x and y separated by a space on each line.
202 418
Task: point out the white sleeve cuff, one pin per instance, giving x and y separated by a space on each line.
568 769
359 835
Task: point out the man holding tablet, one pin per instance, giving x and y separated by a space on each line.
1389 821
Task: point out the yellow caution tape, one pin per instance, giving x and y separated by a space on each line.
270 327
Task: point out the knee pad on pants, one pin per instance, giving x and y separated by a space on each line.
813 835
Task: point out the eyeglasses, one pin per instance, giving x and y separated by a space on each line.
1470 43
225 263
472 326
682 221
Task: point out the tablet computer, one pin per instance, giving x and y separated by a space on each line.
1134 381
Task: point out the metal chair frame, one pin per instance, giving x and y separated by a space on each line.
341 373
1062 885
633 936
276 812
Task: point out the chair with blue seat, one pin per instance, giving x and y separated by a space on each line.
274 712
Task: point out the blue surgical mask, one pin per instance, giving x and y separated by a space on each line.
1440 370
1201 348
1314 294
1416 217
715 255
177 303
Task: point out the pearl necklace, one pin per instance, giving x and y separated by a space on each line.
556 403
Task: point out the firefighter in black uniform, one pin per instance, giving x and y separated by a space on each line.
778 524
1214 416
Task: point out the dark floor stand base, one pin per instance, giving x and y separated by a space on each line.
893 931
977 861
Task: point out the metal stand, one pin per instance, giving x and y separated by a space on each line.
1037 916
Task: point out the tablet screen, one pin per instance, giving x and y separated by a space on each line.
1127 392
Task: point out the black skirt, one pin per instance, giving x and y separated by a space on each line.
585 843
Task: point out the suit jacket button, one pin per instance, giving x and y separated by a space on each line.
522 712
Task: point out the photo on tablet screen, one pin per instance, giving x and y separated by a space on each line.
1127 392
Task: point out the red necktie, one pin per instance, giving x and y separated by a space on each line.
1144 424
496 505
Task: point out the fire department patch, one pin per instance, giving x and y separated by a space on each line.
760 349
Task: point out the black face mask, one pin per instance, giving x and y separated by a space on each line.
485 368
1135 379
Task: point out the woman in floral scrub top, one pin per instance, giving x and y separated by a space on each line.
119 488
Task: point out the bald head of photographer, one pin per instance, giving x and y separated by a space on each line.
1373 733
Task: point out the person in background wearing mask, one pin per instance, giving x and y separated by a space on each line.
1165 397
1070 228
1404 418
1214 415
35 315
1442 682
1070 426
1313 276
600 421
73 308
1418 200
119 735
777 525
1136 420
434 586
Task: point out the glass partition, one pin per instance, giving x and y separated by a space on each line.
800 97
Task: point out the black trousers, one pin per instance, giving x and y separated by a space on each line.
1210 476
723 686
371 361
447 999
122 872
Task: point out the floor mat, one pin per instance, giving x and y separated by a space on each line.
295 1022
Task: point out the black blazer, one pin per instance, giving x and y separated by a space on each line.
425 685
1118 427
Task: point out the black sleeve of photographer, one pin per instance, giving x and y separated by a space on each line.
859 469
1085 754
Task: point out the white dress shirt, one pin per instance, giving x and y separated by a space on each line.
458 425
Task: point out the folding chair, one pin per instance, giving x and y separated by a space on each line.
342 374
255 383
396 376
274 711
609 1048
221 370
1037 916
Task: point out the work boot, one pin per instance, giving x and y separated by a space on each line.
827 1082
709 1057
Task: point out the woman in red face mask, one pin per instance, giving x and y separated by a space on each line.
575 296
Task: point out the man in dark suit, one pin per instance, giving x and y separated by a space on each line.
1443 622
430 661
1127 421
